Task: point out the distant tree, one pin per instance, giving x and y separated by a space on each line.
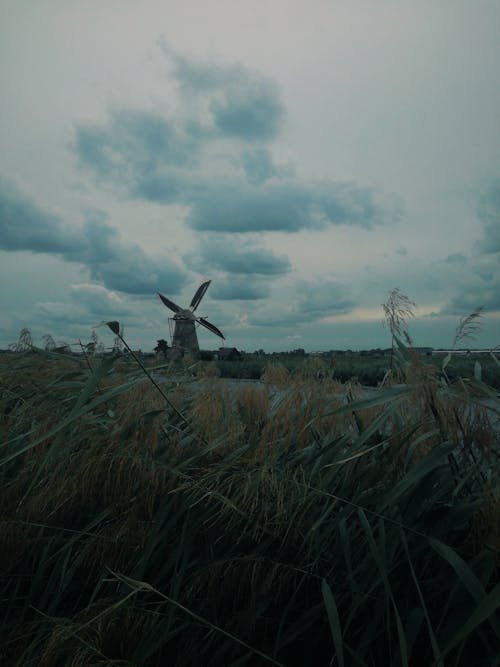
48 343
24 342
161 347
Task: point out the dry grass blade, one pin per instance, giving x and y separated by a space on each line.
334 620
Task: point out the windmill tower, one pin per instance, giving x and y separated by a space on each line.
185 320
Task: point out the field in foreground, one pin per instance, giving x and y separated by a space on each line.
294 522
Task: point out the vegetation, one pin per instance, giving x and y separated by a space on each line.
369 368
300 520
161 347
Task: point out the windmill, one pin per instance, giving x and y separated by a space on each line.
185 320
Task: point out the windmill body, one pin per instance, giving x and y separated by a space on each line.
185 330
185 321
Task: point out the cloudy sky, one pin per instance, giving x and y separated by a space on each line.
306 157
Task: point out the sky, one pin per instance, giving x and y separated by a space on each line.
306 157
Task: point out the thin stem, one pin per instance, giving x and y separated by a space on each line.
153 381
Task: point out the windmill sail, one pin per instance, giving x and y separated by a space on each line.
211 327
200 293
170 304
185 320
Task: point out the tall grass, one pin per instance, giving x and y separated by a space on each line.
293 522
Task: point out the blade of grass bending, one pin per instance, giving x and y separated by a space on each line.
414 444
383 569
346 501
438 656
356 660
58 429
465 574
287 610
334 621
435 458
414 620
92 383
382 397
403 646
87 531
92 647
483 612
321 519
177 563
18 437
346 550
221 498
304 625
138 586
116 391
357 455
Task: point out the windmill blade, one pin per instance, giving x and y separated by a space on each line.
200 293
170 304
211 327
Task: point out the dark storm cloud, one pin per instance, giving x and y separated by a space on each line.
478 282
475 282
488 212
251 112
285 206
240 288
486 273
235 255
97 245
124 266
140 152
243 104
25 226
126 154
162 160
259 166
486 296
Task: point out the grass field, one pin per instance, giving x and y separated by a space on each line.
298 521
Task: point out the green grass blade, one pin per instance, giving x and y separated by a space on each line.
438 656
483 612
334 621
466 575
138 586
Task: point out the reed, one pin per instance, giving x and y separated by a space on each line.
296 521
